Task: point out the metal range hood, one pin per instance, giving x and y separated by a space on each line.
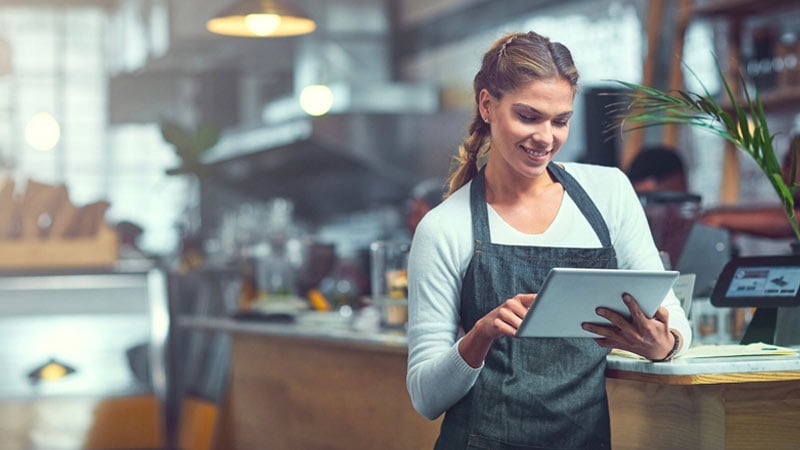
370 149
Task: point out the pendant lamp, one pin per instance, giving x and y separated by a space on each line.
261 18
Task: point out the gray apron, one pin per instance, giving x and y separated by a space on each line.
532 393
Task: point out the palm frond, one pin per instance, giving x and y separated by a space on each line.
743 123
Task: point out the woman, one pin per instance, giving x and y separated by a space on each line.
478 258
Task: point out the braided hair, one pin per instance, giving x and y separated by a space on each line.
513 60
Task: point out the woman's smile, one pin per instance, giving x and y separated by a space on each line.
536 154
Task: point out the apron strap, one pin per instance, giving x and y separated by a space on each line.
583 201
478 206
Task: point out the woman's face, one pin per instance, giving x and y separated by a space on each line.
528 125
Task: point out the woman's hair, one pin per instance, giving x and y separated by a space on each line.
513 61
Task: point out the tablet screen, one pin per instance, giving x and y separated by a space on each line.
765 281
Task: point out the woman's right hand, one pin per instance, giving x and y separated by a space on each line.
504 320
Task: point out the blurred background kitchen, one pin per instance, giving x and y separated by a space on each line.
171 194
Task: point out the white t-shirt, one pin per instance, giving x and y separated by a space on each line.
441 251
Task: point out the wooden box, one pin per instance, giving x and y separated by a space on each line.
100 250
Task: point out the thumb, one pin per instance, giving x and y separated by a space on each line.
662 315
527 299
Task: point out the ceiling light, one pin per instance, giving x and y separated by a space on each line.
42 131
261 18
316 99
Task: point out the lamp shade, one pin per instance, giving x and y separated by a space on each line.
261 18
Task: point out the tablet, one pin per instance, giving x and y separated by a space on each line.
568 297
760 281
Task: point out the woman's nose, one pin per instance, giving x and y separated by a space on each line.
542 136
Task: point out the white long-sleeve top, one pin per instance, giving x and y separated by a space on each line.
441 251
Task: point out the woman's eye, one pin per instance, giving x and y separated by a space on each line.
561 123
525 118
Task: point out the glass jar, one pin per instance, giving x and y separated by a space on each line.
389 281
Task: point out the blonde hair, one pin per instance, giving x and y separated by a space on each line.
512 61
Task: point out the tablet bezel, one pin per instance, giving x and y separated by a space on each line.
720 299
606 287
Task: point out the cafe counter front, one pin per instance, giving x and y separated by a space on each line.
303 385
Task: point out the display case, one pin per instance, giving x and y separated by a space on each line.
82 361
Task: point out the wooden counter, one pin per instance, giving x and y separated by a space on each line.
716 403
300 388
314 388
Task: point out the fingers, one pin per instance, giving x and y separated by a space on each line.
519 304
621 324
614 317
639 334
503 327
621 329
603 330
506 318
633 306
662 315
526 299
512 313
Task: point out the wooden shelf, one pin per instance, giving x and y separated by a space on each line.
781 99
742 7
777 100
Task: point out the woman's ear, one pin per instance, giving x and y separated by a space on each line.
484 104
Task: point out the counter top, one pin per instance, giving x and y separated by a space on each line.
308 329
718 370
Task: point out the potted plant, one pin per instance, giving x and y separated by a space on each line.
190 145
742 122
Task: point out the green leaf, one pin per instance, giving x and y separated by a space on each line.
189 145
206 137
176 135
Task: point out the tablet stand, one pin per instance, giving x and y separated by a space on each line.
778 326
787 326
761 327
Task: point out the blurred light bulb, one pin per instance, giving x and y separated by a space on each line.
262 24
42 131
316 99
53 371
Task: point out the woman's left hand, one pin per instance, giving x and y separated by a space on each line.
644 336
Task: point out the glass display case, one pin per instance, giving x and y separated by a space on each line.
82 358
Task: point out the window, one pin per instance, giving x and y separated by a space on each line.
59 66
